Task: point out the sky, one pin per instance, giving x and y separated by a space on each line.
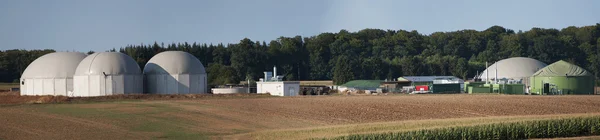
100 25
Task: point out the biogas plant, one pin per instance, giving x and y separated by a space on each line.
520 75
75 74
176 72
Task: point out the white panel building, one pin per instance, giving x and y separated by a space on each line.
279 88
51 74
276 87
107 73
175 72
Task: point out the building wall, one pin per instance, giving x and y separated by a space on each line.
421 83
279 88
473 89
273 88
474 84
229 90
568 85
100 85
175 83
445 88
513 88
291 89
46 87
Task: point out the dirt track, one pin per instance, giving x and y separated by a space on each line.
229 116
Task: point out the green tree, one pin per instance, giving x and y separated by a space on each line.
343 72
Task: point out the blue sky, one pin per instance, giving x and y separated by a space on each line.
99 25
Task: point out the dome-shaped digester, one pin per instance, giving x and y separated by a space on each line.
51 74
107 73
175 72
562 78
516 68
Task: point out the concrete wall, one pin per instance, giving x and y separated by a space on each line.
175 83
46 86
100 85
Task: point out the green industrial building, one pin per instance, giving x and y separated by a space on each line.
482 87
562 78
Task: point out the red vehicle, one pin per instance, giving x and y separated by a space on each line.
422 88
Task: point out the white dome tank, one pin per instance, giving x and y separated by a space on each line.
175 72
515 68
107 73
51 74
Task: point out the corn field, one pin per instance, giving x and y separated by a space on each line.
571 127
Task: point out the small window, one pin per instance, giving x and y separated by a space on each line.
23 82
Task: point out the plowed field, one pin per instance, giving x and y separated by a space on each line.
277 117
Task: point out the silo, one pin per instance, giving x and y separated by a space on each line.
107 73
562 78
175 72
51 74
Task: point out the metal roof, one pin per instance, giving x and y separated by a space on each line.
363 84
174 62
427 78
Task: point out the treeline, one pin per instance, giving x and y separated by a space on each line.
373 53
14 62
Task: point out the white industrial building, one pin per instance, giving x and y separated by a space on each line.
230 90
175 72
107 73
512 70
51 74
275 86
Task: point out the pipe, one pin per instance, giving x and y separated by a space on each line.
496 71
274 71
487 76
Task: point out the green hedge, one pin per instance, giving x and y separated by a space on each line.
571 127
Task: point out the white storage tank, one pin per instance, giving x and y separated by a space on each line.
107 73
51 74
175 72
516 68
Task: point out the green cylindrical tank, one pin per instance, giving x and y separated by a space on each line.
562 78
566 84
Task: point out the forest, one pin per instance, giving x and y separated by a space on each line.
373 54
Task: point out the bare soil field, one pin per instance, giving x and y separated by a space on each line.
15 98
275 117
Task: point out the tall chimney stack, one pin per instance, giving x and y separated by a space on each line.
496 79
274 71
487 76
